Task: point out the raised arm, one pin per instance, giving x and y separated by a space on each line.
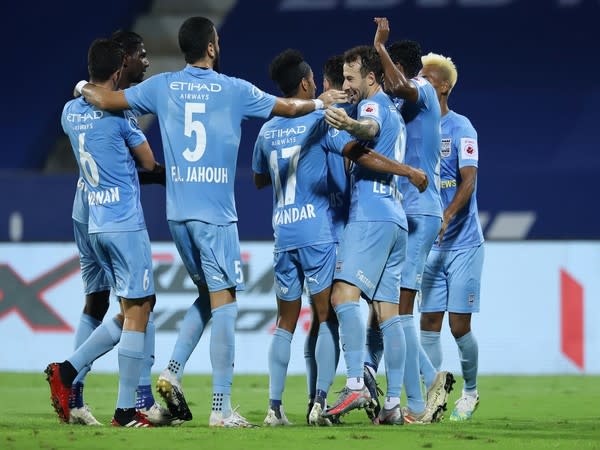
101 97
366 129
295 107
464 191
396 83
372 160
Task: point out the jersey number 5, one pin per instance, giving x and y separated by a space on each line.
194 126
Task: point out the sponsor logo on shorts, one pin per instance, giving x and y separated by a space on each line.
364 280
471 299
338 266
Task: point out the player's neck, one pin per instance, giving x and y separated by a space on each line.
124 84
374 90
108 84
444 107
204 63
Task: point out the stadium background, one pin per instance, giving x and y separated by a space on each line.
527 80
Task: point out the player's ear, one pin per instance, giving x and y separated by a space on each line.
445 87
116 77
210 50
371 79
305 84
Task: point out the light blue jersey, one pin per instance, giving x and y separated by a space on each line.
294 153
375 196
459 149
80 202
339 182
290 151
422 149
101 142
200 113
81 209
339 192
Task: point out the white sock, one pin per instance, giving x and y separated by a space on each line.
391 402
473 394
355 383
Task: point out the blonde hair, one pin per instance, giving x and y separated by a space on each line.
443 62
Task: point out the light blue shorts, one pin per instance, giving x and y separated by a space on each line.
92 273
210 253
370 257
126 259
452 280
422 231
314 263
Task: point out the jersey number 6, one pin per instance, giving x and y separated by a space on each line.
88 165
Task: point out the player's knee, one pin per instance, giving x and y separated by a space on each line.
287 323
460 324
96 304
343 293
432 321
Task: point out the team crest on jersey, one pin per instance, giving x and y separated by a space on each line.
256 92
468 149
133 123
369 109
446 147
333 132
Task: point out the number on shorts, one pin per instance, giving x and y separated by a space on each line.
238 271
146 280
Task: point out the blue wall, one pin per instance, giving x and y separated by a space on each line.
527 80
46 44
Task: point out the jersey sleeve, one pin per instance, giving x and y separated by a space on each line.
259 161
426 93
63 118
143 98
335 140
253 101
131 131
465 140
368 109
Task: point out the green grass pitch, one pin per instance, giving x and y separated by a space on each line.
548 412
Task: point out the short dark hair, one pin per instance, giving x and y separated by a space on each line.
105 57
408 54
129 40
333 70
287 70
194 36
370 61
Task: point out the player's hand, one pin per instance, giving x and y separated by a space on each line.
418 179
333 96
383 31
445 221
337 118
77 89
